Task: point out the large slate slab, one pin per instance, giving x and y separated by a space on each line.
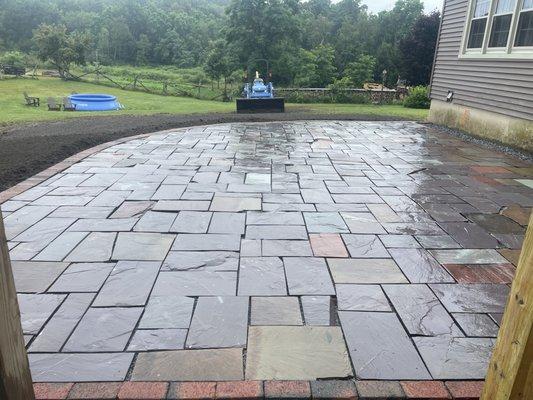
208 242
191 222
60 247
469 235
476 298
262 276
129 284
325 222
317 310
361 298
201 260
455 358
96 247
103 367
420 311
103 329
84 277
365 246
35 309
360 270
296 353
157 339
142 246
419 266
168 311
35 277
189 365
468 256
308 276
380 348
276 311
219 322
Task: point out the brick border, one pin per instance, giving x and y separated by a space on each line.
258 390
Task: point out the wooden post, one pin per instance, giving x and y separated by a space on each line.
15 377
510 374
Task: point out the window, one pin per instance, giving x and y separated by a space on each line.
499 28
524 33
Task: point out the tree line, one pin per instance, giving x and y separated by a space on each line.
311 43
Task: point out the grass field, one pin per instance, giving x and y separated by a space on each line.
13 110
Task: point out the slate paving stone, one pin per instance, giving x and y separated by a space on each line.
142 246
189 365
207 242
153 221
419 266
469 235
103 225
437 242
365 246
45 230
35 277
361 298
518 214
399 241
479 273
296 353
60 326
316 196
286 248
413 228
251 248
495 223
24 218
168 311
321 222
235 204
455 358
477 324
84 277
275 311
191 222
219 322
82 212
181 205
274 218
103 329
35 309
130 209
307 276
362 223
262 276
96 247
328 245
420 311
380 348
473 298
317 310
157 339
227 223
60 247
201 260
88 367
276 232
468 256
129 284
196 283
365 271
168 192
510 240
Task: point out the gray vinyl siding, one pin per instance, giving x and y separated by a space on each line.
504 86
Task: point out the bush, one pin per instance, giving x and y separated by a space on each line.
417 98
15 58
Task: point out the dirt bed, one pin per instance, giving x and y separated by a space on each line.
28 149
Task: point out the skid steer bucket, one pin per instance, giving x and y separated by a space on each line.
261 105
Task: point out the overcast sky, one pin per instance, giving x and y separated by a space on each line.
378 5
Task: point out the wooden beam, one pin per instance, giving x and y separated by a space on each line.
15 377
510 374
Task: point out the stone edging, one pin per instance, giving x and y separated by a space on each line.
256 390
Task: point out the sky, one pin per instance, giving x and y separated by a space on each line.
379 5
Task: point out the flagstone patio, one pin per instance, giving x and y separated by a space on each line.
271 251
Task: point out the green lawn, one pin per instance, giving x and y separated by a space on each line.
13 109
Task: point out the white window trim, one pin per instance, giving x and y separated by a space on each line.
485 52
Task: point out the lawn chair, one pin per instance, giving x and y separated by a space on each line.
67 105
31 101
52 105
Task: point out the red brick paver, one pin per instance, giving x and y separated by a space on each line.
341 390
51 391
425 390
287 390
95 390
191 390
143 390
244 390
465 390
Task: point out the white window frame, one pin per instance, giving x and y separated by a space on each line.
509 51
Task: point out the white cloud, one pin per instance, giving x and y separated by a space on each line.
379 5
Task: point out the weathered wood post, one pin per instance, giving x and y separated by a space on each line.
15 377
510 374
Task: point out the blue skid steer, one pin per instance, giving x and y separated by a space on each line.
259 98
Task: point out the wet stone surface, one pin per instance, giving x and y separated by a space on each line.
298 250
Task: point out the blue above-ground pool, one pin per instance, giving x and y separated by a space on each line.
94 102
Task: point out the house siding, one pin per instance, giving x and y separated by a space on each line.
503 86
